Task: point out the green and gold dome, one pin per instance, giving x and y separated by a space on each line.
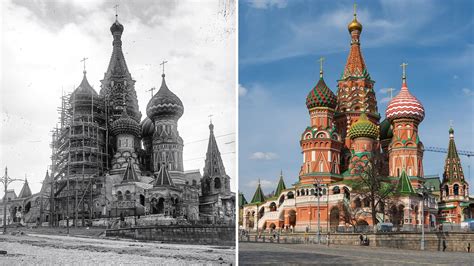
363 128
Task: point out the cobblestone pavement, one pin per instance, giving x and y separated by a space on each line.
297 254
34 249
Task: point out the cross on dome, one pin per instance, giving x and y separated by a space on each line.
321 60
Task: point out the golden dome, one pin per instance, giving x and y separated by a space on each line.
354 25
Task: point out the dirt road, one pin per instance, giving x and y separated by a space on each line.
63 250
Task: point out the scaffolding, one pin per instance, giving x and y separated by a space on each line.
79 156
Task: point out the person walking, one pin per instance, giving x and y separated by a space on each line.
469 247
444 245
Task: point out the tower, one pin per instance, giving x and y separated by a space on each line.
355 91
164 110
320 142
454 188
118 81
214 179
405 112
126 132
363 135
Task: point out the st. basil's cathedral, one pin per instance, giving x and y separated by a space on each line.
345 135
108 163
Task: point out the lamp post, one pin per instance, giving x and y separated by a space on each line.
318 186
424 191
6 181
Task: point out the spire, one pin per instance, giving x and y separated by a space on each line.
258 196
452 167
46 183
321 60
117 65
355 66
163 177
130 174
404 185
25 190
281 185
213 164
242 200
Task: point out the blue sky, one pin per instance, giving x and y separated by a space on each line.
281 41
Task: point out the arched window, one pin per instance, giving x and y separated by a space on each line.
128 196
119 195
290 195
335 190
456 189
446 190
217 183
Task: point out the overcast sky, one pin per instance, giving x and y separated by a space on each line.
280 42
44 41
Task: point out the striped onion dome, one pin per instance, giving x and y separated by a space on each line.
321 96
363 128
148 128
164 104
405 105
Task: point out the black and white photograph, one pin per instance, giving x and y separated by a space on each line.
118 132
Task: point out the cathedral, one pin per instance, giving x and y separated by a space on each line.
348 139
110 163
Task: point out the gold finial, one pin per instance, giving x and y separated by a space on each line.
355 25
321 60
404 72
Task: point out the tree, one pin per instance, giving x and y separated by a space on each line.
372 187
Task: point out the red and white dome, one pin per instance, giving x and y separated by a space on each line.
405 105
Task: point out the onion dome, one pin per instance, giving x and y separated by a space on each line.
363 128
164 103
148 128
116 27
125 125
354 25
405 105
386 131
84 89
321 96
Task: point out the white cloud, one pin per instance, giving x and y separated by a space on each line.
264 4
40 58
263 156
242 90
467 92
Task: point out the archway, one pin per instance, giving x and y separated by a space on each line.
334 218
161 206
272 226
273 207
456 189
154 206
142 199
292 217
261 212
28 207
290 195
347 194
282 199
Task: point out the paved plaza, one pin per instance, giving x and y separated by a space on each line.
297 254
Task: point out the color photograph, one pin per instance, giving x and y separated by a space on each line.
355 132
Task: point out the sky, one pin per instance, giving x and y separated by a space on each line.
42 43
281 41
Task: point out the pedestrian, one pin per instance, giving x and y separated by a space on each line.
361 239
444 245
469 247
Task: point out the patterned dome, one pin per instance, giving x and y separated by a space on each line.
321 96
116 27
405 105
84 90
363 128
148 128
386 131
125 125
164 103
